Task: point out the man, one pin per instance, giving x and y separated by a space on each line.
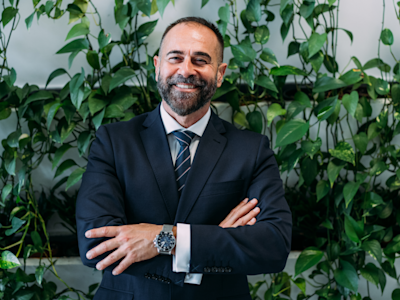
179 172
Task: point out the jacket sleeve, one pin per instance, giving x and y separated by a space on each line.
260 248
101 202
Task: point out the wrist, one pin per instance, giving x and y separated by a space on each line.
175 231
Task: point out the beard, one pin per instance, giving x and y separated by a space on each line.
185 103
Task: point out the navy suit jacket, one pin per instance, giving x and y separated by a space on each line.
130 179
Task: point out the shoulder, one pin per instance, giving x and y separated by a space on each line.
126 127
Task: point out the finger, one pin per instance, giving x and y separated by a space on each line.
102 248
124 264
106 231
243 210
248 217
110 259
252 221
226 222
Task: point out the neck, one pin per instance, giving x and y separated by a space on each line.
189 120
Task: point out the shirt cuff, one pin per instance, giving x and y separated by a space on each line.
181 259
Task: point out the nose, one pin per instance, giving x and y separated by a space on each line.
187 68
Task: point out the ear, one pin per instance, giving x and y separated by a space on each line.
156 61
221 72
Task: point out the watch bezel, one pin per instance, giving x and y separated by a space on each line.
171 238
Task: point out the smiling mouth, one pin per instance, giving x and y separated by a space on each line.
185 86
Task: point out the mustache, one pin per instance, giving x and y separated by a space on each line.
189 80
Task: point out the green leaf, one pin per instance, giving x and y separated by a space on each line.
373 131
286 70
97 119
224 13
267 83
373 247
393 246
37 240
12 139
269 56
322 189
326 108
308 258
253 11
327 224
396 294
225 88
351 77
248 75
76 89
144 6
378 168
255 121
240 118
382 87
306 9
65 166
104 39
75 176
52 112
350 190
293 48
120 77
204 2
16 224
114 111
316 61
311 147
371 273
78 30
75 45
284 3
334 169
373 63
162 4
93 59
325 83
261 35
55 74
315 43
346 276
66 130
361 141
29 20
301 284
387 37
59 154
39 274
41 95
8 260
8 14
6 191
350 102
273 111
83 142
243 52
344 151
291 132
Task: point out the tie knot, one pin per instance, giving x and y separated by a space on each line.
184 137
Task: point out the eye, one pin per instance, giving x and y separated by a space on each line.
200 61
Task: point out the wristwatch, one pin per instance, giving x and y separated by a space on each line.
165 240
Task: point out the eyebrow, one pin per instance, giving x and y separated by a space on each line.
197 53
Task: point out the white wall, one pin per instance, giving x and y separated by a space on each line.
32 53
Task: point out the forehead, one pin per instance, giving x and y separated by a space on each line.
188 37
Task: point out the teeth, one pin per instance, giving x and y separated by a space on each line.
185 86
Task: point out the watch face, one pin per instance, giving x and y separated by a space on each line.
166 241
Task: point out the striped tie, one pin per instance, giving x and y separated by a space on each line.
182 163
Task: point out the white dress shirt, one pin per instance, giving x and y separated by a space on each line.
181 259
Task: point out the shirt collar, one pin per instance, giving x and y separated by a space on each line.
170 124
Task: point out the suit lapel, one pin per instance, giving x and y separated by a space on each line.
157 149
210 148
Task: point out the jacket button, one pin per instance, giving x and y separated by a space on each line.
228 269
221 270
214 269
146 275
207 270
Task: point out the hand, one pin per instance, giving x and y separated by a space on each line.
133 243
243 214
